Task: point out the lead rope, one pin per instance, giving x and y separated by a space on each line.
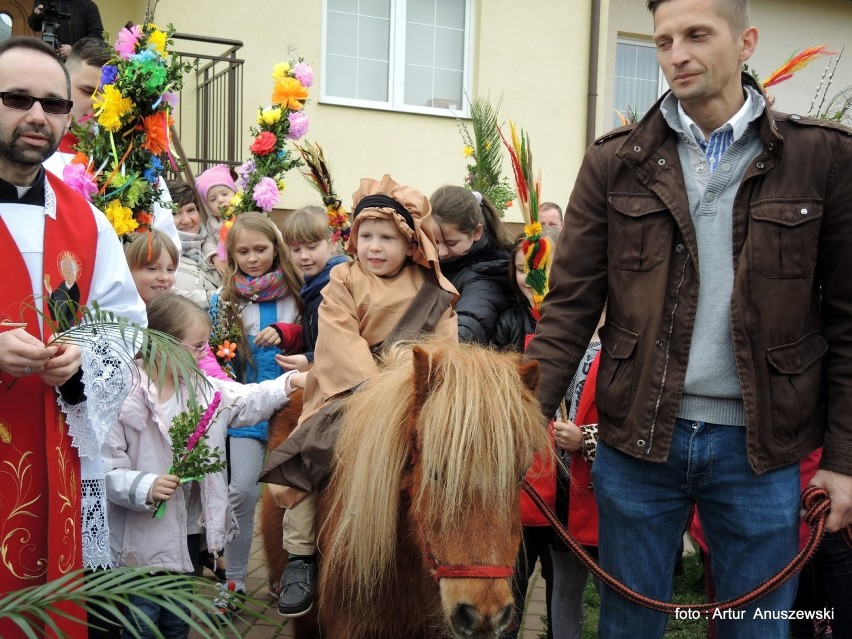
815 502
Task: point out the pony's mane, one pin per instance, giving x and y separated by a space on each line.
478 429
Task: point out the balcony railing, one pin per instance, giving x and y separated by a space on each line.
209 118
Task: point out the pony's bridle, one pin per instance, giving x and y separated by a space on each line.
460 571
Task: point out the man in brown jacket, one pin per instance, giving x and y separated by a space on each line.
720 233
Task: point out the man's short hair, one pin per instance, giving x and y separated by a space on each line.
36 44
551 205
92 51
734 11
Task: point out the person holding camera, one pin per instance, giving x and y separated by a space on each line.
67 21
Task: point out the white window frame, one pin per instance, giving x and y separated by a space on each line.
662 85
396 66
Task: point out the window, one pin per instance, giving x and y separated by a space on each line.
638 79
5 26
405 55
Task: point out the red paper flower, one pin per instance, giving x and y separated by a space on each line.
264 143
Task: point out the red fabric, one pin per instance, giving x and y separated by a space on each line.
40 489
291 337
67 144
582 510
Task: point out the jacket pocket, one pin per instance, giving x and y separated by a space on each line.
784 237
615 372
640 228
795 383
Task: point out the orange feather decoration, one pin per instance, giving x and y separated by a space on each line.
796 62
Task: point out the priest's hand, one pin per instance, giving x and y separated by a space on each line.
59 368
22 354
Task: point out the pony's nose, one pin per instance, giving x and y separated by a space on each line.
467 620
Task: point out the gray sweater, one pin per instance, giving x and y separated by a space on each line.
711 391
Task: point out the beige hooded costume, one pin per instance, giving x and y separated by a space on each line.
359 313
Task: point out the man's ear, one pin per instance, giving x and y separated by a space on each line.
749 43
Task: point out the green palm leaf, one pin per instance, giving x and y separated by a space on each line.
105 597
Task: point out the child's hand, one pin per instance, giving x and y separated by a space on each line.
298 380
163 488
293 362
267 337
568 436
220 265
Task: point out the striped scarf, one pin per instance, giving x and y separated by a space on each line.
270 286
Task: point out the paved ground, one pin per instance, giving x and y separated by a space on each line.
275 626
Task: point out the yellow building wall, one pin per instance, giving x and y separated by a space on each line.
534 60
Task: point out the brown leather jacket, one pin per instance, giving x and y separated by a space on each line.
629 240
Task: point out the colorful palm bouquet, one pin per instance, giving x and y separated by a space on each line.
192 458
537 248
261 177
317 173
122 153
225 335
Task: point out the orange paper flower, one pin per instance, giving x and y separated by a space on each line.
156 134
289 92
227 351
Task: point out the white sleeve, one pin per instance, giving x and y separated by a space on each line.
125 486
248 404
112 285
164 219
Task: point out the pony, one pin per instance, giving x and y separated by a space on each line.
419 523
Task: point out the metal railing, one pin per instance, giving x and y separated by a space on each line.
209 115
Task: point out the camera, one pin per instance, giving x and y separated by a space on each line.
50 17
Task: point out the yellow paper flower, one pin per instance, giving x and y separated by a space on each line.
237 199
120 217
110 106
157 41
290 93
531 230
280 71
269 116
468 151
281 185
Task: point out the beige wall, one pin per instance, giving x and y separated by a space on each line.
116 13
539 70
784 27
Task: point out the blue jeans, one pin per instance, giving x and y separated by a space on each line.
750 522
170 625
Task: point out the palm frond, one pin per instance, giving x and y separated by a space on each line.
105 596
159 352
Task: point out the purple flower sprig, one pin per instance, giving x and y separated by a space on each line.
204 424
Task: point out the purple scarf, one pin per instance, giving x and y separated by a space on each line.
270 286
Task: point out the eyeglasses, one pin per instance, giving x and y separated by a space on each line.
24 102
198 350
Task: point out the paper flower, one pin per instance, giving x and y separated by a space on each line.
108 74
120 217
281 70
125 43
265 194
157 41
156 133
289 92
304 74
110 107
78 178
227 351
264 143
298 125
269 116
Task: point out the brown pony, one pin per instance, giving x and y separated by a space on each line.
420 523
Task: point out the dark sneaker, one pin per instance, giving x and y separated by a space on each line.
229 601
298 584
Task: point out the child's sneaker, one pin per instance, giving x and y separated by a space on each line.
298 584
229 600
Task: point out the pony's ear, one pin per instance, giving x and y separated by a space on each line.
424 364
530 374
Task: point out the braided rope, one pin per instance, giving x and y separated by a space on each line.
815 502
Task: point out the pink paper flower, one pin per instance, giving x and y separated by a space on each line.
298 125
265 194
78 178
204 423
304 74
125 43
